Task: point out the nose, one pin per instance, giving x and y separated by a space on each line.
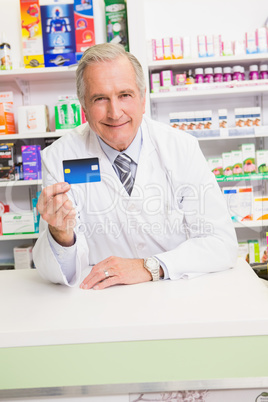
114 109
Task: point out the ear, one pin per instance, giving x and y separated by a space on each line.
85 113
144 101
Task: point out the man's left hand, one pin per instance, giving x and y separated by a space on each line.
116 271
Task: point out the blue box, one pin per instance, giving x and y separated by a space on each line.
31 159
58 33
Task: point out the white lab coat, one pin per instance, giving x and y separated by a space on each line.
176 210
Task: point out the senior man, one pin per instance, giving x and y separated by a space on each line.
157 211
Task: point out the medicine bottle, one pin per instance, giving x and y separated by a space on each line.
237 73
199 75
227 74
208 75
253 72
5 54
190 78
263 72
242 70
218 77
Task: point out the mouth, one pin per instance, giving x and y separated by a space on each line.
114 126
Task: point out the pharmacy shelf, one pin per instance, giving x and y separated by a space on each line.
17 183
251 224
22 136
19 237
209 93
38 74
208 61
231 133
240 177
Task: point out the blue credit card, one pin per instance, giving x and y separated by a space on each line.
81 170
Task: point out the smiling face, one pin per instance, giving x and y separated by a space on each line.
113 103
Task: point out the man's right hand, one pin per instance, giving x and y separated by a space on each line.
57 210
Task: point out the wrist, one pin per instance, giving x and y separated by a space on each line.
153 266
62 237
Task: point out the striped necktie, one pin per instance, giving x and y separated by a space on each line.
122 162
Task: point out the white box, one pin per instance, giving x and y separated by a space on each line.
17 223
261 208
239 202
227 163
243 249
33 119
23 257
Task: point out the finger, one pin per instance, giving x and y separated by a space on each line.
49 192
96 276
113 280
62 219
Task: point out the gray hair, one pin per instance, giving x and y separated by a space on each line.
106 52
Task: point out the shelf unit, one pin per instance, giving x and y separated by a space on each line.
209 93
31 236
50 134
19 183
37 74
208 61
206 97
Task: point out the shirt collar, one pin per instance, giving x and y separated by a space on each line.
133 151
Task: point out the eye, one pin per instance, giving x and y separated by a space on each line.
125 95
99 99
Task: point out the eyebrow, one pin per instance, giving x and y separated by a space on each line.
124 91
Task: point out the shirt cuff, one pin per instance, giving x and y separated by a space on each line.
163 266
66 256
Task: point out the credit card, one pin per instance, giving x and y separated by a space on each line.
81 170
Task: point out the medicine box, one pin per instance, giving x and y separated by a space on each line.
167 48
261 208
176 48
58 32
222 113
243 249
248 154
251 43
157 49
84 26
31 160
7 162
239 202
13 223
166 78
202 51
68 113
7 123
31 32
23 257
262 40
254 251
215 165
33 119
262 161
237 158
227 163
155 82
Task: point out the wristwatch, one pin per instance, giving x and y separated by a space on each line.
152 265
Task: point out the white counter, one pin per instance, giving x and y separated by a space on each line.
34 312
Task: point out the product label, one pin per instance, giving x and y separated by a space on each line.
116 23
58 34
31 31
84 25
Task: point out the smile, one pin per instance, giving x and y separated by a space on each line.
116 126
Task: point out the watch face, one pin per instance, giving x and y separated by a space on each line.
152 263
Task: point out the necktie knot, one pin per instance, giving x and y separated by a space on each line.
122 163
